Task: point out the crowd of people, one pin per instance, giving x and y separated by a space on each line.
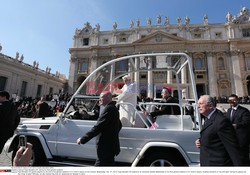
225 99
49 105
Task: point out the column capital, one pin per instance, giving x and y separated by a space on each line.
236 52
210 54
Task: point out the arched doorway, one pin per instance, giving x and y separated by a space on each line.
200 89
79 82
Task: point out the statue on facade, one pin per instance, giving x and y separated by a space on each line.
87 25
114 26
34 63
187 20
37 64
166 21
149 21
244 11
131 24
158 20
17 55
179 21
21 58
138 23
1 47
235 20
229 17
97 27
205 20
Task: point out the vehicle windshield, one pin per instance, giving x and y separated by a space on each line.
149 72
167 69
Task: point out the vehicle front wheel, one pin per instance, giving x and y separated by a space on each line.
162 160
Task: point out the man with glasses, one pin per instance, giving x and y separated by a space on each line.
240 119
218 142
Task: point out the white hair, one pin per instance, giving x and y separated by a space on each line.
126 77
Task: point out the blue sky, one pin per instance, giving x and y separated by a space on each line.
43 30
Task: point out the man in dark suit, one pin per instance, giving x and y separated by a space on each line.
9 118
240 119
166 109
107 131
218 142
43 108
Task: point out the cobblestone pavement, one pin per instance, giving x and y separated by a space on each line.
5 159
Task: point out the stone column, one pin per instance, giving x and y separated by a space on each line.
169 73
230 31
230 68
212 77
184 82
238 85
137 75
72 74
150 81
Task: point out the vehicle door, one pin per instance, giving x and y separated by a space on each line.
75 125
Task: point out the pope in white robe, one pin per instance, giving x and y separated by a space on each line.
128 95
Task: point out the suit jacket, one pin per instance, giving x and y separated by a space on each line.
167 109
7 119
219 144
241 117
107 131
43 110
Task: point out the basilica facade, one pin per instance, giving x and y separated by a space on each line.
220 52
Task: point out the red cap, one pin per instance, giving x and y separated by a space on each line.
169 89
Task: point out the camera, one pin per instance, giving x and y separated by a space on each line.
22 141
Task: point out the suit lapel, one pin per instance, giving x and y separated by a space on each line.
209 122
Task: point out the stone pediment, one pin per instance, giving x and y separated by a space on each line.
86 29
159 37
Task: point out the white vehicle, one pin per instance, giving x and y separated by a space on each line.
170 144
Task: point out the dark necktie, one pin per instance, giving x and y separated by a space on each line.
231 114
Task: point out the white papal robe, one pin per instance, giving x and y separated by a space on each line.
127 112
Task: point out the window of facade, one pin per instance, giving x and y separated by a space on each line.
105 41
23 89
83 67
218 35
175 34
39 90
197 35
199 76
85 41
198 63
50 90
122 66
122 39
221 64
248 63
3 81
246 32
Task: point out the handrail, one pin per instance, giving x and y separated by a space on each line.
167 104
137 112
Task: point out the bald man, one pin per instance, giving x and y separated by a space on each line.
218 142
107 128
